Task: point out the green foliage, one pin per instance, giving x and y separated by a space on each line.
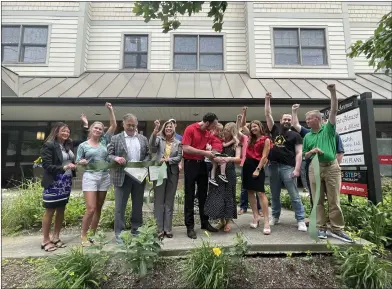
107 216
363 267
23 210
168 11
209 266
377 49
140 252
110 194
74 211
77 268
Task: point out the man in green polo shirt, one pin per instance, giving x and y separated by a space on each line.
322 141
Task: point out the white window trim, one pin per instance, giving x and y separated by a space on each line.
172 35
46 64
298 66
122 50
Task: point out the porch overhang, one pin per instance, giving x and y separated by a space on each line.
182 95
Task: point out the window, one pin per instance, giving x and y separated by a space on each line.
24 44
135 51
198 52
300 46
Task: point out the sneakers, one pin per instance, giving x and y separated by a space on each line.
213 182
223 178
274 221
342 236
302 227
322 234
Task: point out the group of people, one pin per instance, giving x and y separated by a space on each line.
208 153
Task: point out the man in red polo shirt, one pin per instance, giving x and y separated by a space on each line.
194 141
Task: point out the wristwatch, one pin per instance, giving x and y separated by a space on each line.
258 169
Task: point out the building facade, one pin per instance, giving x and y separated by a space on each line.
60 59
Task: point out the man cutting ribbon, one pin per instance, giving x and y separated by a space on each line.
320 146
134 147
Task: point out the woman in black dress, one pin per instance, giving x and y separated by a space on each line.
221 200
253 172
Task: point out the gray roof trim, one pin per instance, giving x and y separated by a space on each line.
187 85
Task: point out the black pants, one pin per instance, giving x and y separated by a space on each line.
195 172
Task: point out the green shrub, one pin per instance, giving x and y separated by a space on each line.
139 253
107 216
77 268
209 266
110 194
74 211
23 210
363 267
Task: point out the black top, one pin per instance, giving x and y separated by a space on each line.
52 159
283 151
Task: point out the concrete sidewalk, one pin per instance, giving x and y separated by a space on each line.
284 238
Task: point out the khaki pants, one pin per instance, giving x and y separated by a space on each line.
330 176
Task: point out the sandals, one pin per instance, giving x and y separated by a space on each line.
227 228
47 248
241 212
267 231
86 244
59 244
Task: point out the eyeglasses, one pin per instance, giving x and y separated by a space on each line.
130 125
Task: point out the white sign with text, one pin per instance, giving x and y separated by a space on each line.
352 142
353 160
348 121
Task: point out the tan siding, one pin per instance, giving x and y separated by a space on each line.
62 46
39 6
123 11
361 63
368 13
297 6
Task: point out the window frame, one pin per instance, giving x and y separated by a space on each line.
198 53
123 53
22 45
300 65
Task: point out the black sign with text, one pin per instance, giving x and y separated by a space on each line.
343 106
359 177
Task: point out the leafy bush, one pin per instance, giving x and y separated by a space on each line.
23 210
363 267
77 268
141 251
74 211
209 266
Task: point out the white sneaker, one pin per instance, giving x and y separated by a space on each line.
302 227
274 221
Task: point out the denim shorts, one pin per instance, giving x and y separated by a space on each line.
96 181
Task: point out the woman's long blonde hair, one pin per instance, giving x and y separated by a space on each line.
232 128
91 128
162 131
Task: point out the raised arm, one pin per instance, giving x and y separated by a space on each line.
112 118
334 104
294 118
84 120
153 139
243 119
268 113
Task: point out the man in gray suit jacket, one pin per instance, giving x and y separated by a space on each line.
128 146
